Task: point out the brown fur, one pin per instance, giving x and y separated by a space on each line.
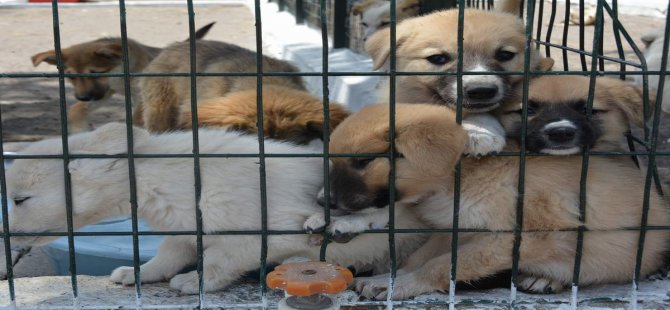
620 103
163 97
77 116
288 114
417 38
103 56
424 181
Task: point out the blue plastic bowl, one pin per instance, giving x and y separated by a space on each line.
99 255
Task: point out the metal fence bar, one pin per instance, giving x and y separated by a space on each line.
340 13
66 153
651 166
550 28
130 151
299 12
585 155
5 224
530 9
261 150
392 152
326 121
617 38
196 154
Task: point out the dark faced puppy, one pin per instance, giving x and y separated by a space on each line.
557 115
427 149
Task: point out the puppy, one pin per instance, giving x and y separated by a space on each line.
163 97
376 14
230 201
653 55
429 143
557 122
492 41
103 56
288 114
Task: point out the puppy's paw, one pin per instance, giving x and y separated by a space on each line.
538 285
342 230
485 134
186 283
405 286
123 275
315 224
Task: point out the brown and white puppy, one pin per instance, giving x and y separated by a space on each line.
429 144
557 122
103 55
376 14
492 42
288 114
163 97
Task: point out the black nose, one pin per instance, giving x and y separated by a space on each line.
321 200
84 98
561 134
482 92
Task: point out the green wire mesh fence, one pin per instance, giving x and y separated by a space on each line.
333 19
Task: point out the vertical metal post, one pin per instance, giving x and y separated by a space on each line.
340 37
299 12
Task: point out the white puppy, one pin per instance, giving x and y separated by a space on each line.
231 200
653 54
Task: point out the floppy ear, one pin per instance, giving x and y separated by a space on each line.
628 98
649 38
545 64
111 51
433 143
110 139
359 7
48 57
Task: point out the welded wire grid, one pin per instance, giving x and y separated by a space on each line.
597 68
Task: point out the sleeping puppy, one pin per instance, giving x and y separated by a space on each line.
288 114
376 14
230 201
492 41
557 122
653 55
429 143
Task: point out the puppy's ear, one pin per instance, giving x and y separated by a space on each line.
337 115
628 98
378 44
409 7
110 139
545 64
48 57
359 7
433 143
649 38
111 51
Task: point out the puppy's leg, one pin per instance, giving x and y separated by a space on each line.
345 227
77 116
173 255
481 256
486 134
159 103
538 285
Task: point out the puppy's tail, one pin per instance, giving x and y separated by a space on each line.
202 31
509 6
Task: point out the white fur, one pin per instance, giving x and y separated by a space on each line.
166 200
471 81
570 151
486 134
653 55
561 123
373 17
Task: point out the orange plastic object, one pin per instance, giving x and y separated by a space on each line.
309 278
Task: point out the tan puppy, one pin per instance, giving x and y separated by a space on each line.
557 122
376 14
102 56
492 42
163 97
288 114
429 143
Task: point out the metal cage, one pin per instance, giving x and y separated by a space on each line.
332 20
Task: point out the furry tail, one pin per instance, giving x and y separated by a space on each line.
509 6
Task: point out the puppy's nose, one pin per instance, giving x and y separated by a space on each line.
561 134
83 98
481 92
321 200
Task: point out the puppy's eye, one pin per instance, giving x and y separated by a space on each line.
364 24
19 200
502 55
97 71
384 24
438 59
361 163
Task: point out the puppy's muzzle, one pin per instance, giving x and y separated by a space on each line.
481 92
322 201
561 132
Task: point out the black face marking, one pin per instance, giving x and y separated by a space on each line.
559 128
349 191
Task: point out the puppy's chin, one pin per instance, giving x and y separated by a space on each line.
476 107
561 150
